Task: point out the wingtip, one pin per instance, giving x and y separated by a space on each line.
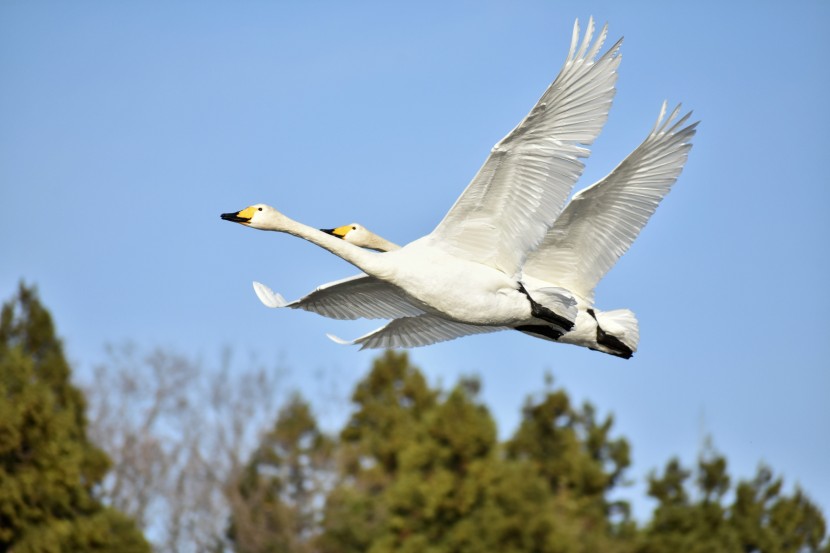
268 297
671 124
338 340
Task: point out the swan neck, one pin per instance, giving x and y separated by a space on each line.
381 244
368 262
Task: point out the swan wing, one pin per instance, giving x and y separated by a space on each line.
602 221
360 296
411 332
509 205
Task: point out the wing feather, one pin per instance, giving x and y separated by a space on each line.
602 221
360 296
525 181
412 332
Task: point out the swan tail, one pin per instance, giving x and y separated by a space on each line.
621 329
268 297
558 300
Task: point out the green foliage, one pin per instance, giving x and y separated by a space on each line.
48 468
421 470
426 473
759 519
572 451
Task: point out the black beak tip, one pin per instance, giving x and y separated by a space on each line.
329 231
233 217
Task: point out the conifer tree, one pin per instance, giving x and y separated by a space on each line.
391 403
48 467
760 518
427 473
581 464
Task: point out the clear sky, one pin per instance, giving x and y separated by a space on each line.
126 128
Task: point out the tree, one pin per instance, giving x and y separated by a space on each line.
426 472
279 492
49 469
760 519
581 465
391 403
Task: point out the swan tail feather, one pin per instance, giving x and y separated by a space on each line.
622 326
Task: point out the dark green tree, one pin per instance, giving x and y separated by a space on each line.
426 473
48 467
760 519
279 493
581 464
391 404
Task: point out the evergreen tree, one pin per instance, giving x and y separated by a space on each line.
427 474
760 519
421 470
391 403
581 464
281 488
48 467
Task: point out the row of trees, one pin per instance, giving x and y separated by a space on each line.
208 459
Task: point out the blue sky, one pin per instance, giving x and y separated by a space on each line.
127 128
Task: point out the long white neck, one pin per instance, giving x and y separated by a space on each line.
380 244
368 262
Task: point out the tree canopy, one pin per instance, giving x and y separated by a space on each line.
420 469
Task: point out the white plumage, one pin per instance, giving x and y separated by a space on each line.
598 225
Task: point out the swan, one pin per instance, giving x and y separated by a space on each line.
594 230
467 271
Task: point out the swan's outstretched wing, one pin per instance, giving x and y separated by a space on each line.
601 221
412 332
356 297
521 188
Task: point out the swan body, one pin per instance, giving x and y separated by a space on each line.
594 230
467 271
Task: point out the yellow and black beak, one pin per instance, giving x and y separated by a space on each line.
243 216
339 232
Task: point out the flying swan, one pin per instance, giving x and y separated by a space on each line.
596 227
466 274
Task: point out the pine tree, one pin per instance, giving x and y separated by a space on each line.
426 473
760 519
391 403
581 464
48 467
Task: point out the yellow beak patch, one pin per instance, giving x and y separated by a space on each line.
342 231
246 213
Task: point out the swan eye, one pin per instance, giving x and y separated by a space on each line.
354 228
260 209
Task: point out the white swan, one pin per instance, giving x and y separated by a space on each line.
467 271
595 229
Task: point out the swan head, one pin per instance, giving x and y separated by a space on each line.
361 236
354 234
259 216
